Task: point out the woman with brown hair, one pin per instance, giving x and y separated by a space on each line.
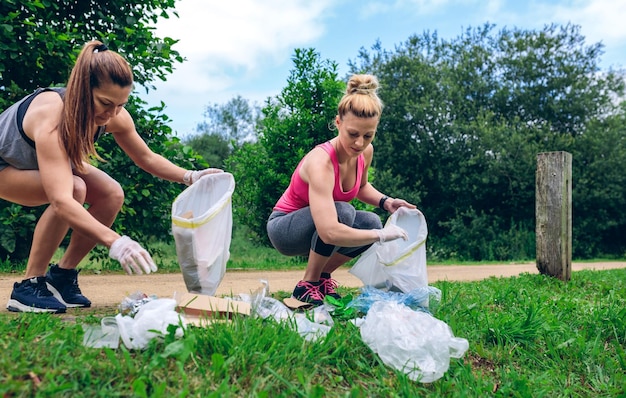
46 142
314 218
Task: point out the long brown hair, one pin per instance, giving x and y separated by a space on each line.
361 97
96 65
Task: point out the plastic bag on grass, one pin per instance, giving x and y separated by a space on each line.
106 334
202 223
397 265
151 320
311 325
413 342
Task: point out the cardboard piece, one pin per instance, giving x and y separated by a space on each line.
296 304
201 309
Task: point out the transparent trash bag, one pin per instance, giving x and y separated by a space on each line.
202 223
398 265
425 299
410 341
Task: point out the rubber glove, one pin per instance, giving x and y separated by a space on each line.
192 176
132 256
391 232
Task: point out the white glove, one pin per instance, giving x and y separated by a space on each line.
192 176
391 232
132 256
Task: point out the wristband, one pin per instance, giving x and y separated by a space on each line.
381 203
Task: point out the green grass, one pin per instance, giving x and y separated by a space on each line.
529 335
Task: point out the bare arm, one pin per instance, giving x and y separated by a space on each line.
123 129
317 170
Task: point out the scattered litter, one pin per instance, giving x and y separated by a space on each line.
397 326
131 304
311 325
151 320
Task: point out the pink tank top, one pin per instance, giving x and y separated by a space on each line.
296 195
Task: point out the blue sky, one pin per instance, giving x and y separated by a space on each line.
244 47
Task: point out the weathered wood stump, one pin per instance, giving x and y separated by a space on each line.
553 205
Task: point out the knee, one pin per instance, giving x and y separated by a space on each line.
370 221
80 190
345 213
115 195
110 196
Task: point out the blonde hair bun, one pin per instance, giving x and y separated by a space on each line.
361 97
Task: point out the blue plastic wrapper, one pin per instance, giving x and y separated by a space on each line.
425 299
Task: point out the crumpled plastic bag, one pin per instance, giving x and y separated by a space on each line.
311 325
425 298
151 320
413 342
133 302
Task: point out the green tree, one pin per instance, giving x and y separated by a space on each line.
213 148
225 127
40 39
39 42
599 194
237 120
293 123
465 119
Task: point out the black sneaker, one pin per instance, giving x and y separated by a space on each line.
328 286
308 292
32 295
63 283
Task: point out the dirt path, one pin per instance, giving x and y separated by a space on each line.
110 290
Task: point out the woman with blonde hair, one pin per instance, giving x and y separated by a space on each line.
314 218
46 142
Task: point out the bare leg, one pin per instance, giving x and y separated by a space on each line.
105 198
336 261
318 264
49 234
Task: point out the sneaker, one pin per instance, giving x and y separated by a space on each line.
63 283
308 292
32 295
328 286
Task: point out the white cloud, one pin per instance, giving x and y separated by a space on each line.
600 20
239 33
228 42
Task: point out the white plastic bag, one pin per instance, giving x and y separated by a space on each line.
397 265
202 223
152 320
413 342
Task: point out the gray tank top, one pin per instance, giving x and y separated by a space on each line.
16 149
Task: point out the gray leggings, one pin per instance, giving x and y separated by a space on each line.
294 234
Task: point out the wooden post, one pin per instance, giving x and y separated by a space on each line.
553 205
